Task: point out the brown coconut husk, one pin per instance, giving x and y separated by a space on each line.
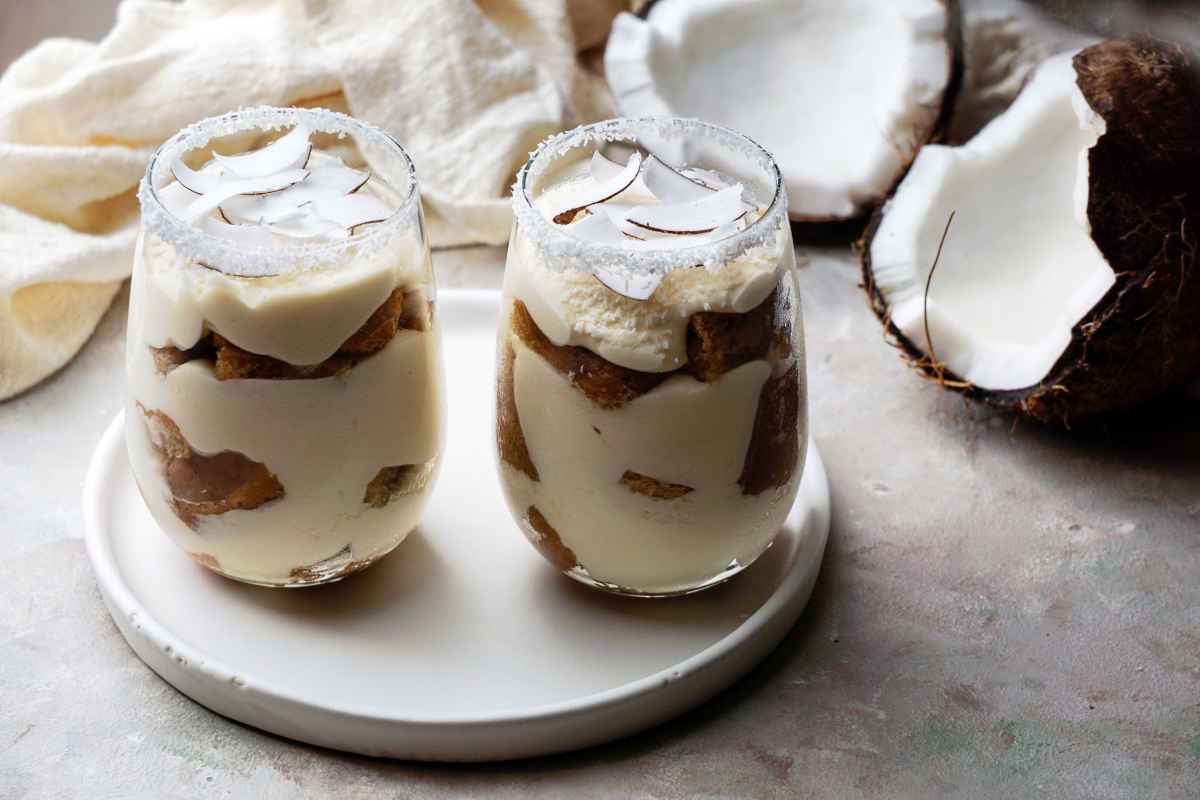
1143 337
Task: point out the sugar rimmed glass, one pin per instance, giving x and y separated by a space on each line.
285 409
651 447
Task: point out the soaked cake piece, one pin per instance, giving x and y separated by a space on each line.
718 342
379 328
206 560
402 310
652 487
605 384
234 363
510 437
168 358
203 485
396 481
548 542
774 446
416 311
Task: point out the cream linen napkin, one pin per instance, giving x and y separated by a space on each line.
469 88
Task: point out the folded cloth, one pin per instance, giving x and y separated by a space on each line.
468 87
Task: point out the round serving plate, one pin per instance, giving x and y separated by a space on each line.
463 645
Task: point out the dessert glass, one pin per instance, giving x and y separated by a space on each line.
285 409
650 407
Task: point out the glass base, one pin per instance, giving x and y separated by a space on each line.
580 574
330 570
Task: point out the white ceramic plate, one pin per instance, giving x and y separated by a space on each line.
463 645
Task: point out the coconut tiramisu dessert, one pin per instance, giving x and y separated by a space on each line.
285 409
650 414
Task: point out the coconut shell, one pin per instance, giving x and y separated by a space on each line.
1143 337
825 229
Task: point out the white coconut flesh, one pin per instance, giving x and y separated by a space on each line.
1019 268
841 92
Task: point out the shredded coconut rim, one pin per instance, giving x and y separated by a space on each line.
256 261
563 251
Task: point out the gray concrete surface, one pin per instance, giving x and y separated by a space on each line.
1004 611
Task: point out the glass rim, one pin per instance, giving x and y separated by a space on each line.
242 260
567 251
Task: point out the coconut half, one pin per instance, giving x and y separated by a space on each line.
842 92
1067 284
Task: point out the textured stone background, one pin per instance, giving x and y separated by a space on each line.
1004 611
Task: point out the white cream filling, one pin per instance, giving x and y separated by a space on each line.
324 439
301 319
626 538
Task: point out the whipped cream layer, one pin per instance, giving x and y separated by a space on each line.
574 308
301 318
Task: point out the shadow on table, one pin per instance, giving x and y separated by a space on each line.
1156 447
1162 432
381 589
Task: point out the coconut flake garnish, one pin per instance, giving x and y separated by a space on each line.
266 192
340 179
321 182
252 235
695 207
352 210
195 182
699 216
589 191
306 223
175 197
597 228
633 286
601 168
670 185
248 209
285 153
209 201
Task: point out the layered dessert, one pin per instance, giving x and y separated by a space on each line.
650 415
285 410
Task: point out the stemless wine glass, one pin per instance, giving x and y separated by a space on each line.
285 410
651 408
